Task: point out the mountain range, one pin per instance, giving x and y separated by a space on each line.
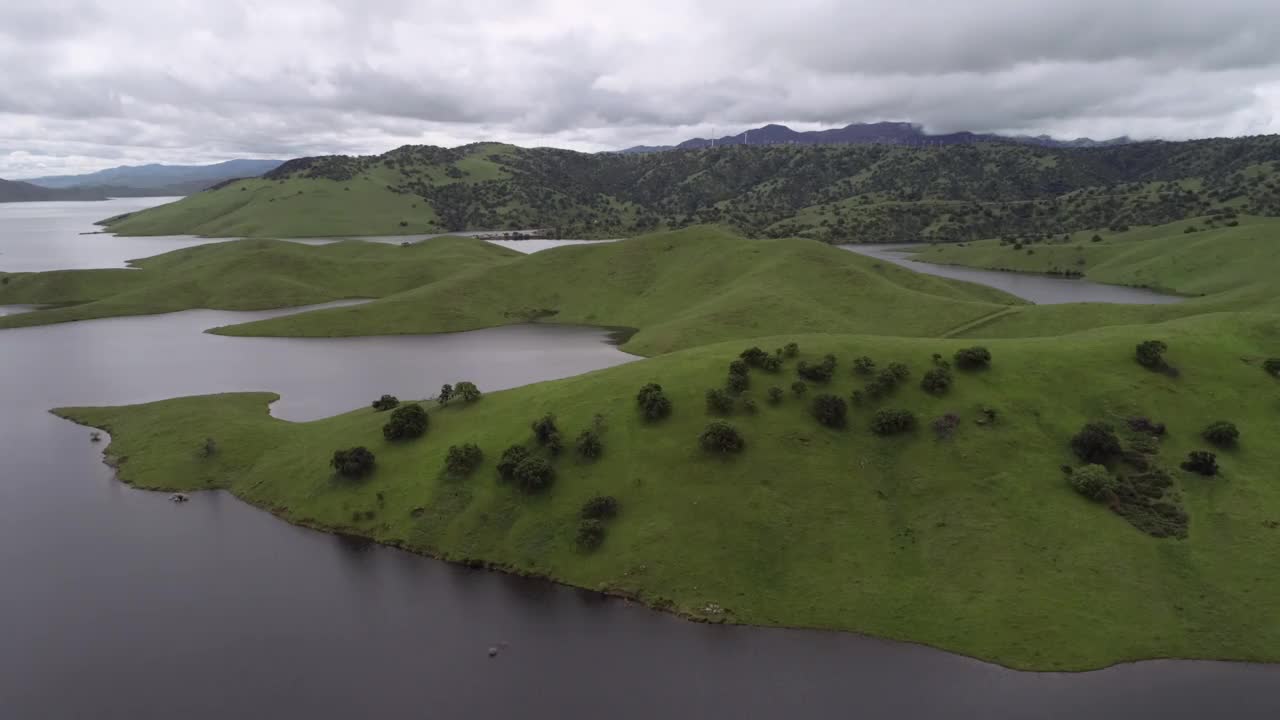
879 133
133 181
17 191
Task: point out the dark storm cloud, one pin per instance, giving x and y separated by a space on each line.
89 83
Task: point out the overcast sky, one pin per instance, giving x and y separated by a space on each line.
89 84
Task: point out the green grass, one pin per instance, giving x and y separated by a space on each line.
243 275
680 289
976 544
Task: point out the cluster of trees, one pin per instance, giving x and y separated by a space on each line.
593 519
464 390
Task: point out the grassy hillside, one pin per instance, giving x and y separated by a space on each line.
976 543
834 193
243 275
680 289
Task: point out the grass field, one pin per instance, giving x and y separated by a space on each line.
243 275
975 544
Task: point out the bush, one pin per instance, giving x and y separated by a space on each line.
208 448
737 383
771 364
798 388
462 460
988 415
775 395
898 371
748 404
893 422
590 534
1096 443
1147 426
1272 366
936 381
864 365
719 402
600 507
945 426
721 437
534 474
1150 354
544 428
790 350
829 410
820 372
755 357
589 445
653 403
446 394
511 459
555 444
1222 433
738 367
1094 482
407 422
858 397
1201 462
353 463
467 391
386 402
973 358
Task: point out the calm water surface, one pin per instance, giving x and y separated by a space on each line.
116 603
1039 289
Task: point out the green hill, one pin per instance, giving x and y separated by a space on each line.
834 193
243 275
679 289
976 543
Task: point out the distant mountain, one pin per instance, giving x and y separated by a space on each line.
880 133
14 191
159 179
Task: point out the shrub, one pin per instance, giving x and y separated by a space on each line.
467 391
893 422
600 507
1150 354
898 371
511 459
1096 443
544 428
462 460
555 444
737 383
446 394
353 463
1147 426
754 356
589 445
590 534
719 402
973 358
653 403
1094 482
775 395
988 415
738 367
386 402
936 381
721 437
1096 238
748 404
829 410
771 364
864 365
820 372
1272 366
1222 433
790 350
945 426
208 448
534 474
1201 462
858 397
798 388
407 422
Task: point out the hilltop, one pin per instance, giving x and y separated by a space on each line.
158 179
833 193
15 191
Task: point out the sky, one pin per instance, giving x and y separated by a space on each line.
89 84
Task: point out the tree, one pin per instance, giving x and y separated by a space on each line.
799 388
653 403
937 381
589 445
1222 433
590 534
898 371
386 402
738 367
755 357
353 463
721 437
600 507
462 460
864 365
1201 462
737 383
893 422
534 474
973 358
945 426
829 410
467 391
719 402
775 395
446 394
790 350
407 422
1094 482
1150 354
544 428
1272 366
820 372
771 364
511 458
1096 443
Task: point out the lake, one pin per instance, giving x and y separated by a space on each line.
1039 289
117 603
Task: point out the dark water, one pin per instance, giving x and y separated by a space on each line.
1039 289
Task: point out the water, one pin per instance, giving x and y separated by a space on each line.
1039 289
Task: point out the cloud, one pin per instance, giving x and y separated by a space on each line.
89 84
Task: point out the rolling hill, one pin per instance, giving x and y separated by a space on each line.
16 191
157 179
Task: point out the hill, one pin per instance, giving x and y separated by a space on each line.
14 191
973 541
678 289
833 193
242 275
157 179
